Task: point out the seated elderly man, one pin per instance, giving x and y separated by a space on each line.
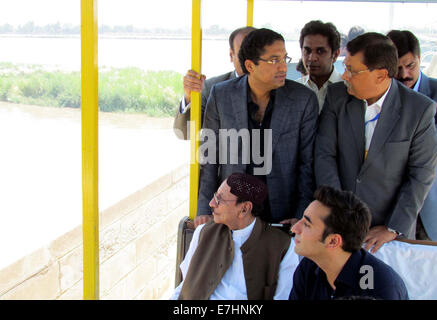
330 236
237 256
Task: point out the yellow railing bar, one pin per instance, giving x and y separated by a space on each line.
89 114
250 13
196 98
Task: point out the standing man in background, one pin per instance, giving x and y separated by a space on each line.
195 82
410 75
320 45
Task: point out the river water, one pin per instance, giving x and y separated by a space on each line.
41 169
147 54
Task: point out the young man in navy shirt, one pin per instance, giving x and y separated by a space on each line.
330 236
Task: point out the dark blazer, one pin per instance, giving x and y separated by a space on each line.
399 169
293 123
181 119
428 87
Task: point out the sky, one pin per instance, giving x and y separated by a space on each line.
282 15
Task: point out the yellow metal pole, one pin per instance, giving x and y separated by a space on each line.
250 13
89 114
196 59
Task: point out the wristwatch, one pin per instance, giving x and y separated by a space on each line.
394 231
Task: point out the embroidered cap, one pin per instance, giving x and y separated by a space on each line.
247 187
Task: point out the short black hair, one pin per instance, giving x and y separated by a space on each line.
253 45
348 217
236 32
405 41
378 50
327 30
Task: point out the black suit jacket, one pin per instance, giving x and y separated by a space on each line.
399 169
181 119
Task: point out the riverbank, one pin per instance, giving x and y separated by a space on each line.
41 168
132 90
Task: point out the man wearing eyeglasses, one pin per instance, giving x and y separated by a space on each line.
320 45
377 139
272 116
410 75
197 83
237 256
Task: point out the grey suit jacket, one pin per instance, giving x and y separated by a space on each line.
428 87
181 119
293 123
399 169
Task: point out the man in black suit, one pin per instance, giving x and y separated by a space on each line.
410 75
195 82
377 139
264 125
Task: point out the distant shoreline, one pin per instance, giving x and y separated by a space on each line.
117 119
115 36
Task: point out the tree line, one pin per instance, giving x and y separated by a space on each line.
30 28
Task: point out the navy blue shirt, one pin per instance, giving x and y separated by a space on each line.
363 275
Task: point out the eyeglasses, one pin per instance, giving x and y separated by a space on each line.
351 73
285 59
217 199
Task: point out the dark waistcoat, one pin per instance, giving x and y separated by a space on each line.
262 254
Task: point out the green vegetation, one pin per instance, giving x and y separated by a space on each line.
155 93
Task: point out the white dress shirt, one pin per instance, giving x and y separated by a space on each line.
320 93
233 284
371 118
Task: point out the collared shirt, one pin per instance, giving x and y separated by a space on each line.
371 116
258 143
233 284
320 93
363 275
417 85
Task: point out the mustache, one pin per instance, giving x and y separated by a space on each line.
405 79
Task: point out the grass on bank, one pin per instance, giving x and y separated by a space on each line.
155 93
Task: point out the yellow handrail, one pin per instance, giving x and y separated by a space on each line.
89 115
196 100
250 13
